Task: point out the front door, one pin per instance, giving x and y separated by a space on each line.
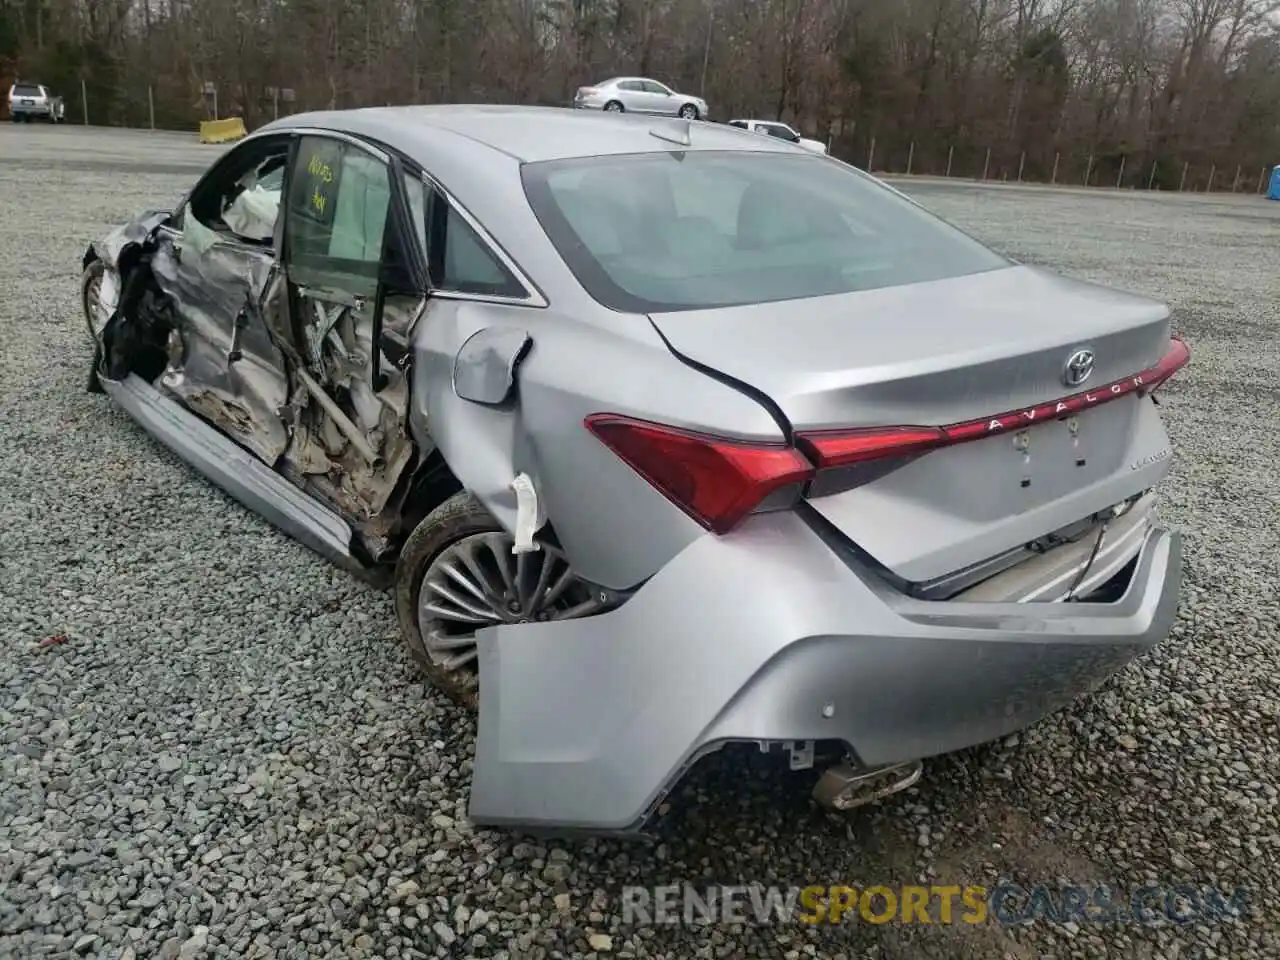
216 263
660 99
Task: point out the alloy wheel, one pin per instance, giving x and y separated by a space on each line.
476 582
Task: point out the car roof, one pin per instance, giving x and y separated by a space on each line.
524 134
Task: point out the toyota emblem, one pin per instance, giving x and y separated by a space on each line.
1078 369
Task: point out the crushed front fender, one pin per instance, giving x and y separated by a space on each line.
136 232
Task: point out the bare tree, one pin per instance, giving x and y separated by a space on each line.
1001 82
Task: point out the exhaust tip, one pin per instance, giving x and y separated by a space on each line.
843 787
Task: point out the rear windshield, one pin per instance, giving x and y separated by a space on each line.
26 90
659 232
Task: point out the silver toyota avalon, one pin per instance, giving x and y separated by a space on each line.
665 435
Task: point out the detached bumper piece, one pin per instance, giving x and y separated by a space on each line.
767 634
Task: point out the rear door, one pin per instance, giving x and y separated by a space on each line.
633 96
355 279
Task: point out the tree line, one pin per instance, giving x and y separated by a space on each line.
1154 87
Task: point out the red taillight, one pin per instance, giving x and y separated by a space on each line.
838 448
714 480
1179 356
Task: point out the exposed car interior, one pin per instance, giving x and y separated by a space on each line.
241 198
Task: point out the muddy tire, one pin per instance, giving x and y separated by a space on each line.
462 515
92 276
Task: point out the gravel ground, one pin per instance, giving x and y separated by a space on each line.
229 757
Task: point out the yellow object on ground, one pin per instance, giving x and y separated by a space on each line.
222 131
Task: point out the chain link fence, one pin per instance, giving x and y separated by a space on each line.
1005 164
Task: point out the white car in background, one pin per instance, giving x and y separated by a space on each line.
773 128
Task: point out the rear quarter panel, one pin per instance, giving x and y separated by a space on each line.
615 528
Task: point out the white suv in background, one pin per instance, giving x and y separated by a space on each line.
773 128
31 101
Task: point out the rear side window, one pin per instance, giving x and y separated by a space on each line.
470 266
458 259
659 232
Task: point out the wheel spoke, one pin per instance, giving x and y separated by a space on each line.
437 640
558 588
461 603
461 659
500 549
467 583
454 616
522 581
578 610
538 600
466 552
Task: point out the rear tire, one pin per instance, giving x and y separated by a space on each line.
689 112
614 106
457 575
460 516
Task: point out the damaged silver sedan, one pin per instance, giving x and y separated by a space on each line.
665 435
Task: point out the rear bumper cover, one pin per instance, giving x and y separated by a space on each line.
34 109
768 635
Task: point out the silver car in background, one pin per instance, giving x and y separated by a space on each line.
640 95
33 101
666 436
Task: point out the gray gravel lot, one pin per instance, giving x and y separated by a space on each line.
230 757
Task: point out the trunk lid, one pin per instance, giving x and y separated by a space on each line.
948 352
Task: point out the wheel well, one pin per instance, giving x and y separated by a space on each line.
432 484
